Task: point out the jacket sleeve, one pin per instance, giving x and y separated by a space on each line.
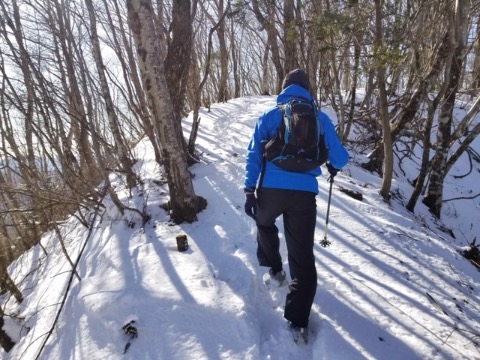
338 155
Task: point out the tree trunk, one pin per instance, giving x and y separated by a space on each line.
355 73
120 148
27 74
178 59
462 128
383 106
177 62
458 31
129 67
198 91
410 110
268 24
76 109
235 62
427 146
223 81
336 92
265 73
6 282
290 36
469 139
476 61
184 204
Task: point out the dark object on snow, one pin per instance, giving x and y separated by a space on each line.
131 330
436 304
182 243
353 194
473 254
5 341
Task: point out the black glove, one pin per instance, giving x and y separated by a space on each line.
251 204
332 170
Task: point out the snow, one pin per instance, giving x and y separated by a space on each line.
391 286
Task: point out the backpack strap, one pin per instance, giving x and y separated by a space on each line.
287 111
264 157
262 172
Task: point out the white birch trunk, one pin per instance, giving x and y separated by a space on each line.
183 202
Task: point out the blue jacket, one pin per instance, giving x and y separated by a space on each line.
266 128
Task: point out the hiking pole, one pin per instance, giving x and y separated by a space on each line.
325 242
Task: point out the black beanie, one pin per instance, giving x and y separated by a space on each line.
298 77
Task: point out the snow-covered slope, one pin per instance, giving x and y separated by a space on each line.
391 286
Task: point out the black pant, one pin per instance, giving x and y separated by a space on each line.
299 212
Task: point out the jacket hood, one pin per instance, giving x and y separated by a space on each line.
293 91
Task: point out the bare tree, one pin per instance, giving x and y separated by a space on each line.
457 36
268 22
198 90
382 104
51 97
424 83
475 82
134 92
223 51
290 37
235 60
356 43
120 146
179 54
427 146
184 204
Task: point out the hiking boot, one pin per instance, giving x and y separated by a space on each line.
300 334
278 279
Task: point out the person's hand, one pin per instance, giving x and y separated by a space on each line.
251 204
332 170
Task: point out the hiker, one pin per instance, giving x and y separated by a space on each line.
272 191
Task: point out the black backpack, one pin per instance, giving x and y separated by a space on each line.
299 144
